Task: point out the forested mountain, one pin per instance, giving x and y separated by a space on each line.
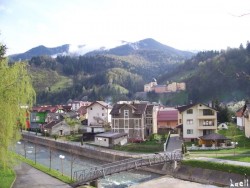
212 75
118 75
40 51
148 48
114 74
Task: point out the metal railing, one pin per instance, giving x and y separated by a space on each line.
82 177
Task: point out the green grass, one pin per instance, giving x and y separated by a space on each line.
236 158
73 138
144 147
64 82
7 177
51 172
218 166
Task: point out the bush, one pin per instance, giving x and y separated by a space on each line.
156 137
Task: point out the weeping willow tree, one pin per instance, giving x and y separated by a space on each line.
16 93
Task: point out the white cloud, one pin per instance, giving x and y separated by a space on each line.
193 24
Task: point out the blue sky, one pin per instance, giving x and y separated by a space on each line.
182 24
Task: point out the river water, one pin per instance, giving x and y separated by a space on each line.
71 163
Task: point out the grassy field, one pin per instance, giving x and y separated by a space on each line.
144 147
64 82
7 177
236 158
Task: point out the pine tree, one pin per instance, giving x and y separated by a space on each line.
16 93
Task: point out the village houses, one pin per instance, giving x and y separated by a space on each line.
138 119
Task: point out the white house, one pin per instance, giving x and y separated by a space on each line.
197 120
240 118
77 104
98 113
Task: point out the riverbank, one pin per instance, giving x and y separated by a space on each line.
184 172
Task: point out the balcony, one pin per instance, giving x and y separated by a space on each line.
207 117
202 127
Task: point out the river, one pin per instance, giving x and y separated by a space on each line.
69 163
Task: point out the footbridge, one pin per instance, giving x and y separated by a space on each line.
82 177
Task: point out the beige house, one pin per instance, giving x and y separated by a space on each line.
197 120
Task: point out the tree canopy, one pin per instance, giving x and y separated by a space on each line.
16 94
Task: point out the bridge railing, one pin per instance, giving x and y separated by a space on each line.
84 176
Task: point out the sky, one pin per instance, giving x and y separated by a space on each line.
182 24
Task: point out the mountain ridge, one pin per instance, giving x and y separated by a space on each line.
123 49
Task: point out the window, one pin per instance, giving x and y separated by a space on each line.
208 112
116 123
208 123
189 131
180 120
126 125
102 114
189 122
102 108
190 111
136 124
126 113
91 109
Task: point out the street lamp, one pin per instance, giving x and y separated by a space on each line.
45 131
62 157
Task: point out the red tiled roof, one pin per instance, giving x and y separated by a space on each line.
167 115
45 108
102 103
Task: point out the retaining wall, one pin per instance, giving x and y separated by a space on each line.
75 149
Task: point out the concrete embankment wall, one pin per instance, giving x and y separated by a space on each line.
204 176
200 175
74 149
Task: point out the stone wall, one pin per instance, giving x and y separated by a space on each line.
75 149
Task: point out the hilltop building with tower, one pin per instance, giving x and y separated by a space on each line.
169 87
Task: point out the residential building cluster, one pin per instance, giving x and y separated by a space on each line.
135 120
171 87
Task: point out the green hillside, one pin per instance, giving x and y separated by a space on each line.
212 75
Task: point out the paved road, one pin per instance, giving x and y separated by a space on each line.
29 177
174 143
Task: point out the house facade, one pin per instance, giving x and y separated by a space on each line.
167 120
246 119
75 105
197 120
130 118
240 119
151 119
98 113
57 127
